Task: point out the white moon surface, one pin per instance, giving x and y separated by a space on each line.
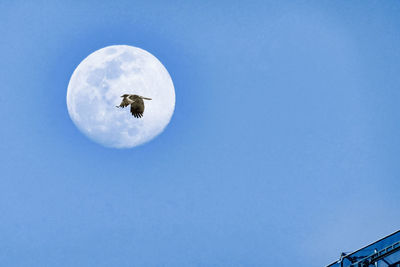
95 89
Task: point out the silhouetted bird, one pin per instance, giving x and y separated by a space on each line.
136 102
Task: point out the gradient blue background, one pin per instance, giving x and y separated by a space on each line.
283 149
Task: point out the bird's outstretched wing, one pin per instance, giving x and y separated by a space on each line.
137 108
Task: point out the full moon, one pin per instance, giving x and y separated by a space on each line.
95 89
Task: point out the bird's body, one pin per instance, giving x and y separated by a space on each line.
136 102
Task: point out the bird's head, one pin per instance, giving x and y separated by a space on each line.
125 95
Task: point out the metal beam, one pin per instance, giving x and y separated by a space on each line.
377 256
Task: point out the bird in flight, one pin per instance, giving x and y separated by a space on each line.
136 102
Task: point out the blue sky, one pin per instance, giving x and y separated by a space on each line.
283 149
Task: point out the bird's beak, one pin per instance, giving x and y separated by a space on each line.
145 98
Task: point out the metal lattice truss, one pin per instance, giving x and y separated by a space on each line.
382 253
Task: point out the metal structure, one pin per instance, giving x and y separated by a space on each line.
382 253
